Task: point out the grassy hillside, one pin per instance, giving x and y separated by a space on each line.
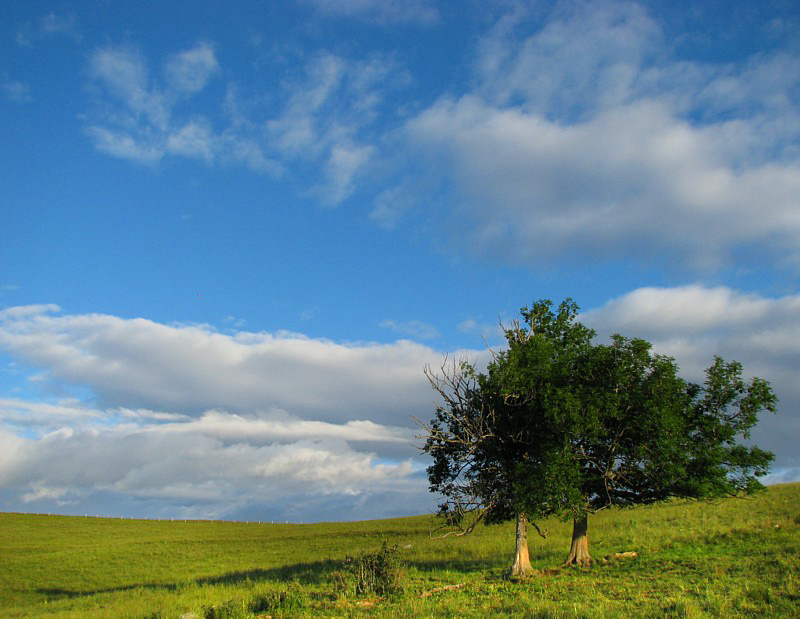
734 558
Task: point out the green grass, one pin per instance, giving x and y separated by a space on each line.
736 558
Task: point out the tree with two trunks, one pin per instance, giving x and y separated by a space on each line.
559 425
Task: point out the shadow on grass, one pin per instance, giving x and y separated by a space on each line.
52 594
462 566
306 573
311 573
316 572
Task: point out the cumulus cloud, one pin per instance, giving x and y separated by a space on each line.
191 369
198 423
586 139
213 475
633 181
190 422
694 323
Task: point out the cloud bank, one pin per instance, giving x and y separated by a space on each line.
189 422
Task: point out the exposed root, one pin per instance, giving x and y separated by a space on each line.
620 555
427 594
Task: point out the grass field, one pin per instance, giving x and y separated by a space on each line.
737 558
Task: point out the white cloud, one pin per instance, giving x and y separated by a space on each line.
50 416
142 119
298 129
324 117
412 328
189 369
198 423
488 332
17 92
126 146
278 426
380 11
123 74
392 204
58 24
194 139
587 56
319 123
584 139
210 465
190 70
343 165
694 309
633 181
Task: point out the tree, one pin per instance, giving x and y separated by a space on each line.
559 425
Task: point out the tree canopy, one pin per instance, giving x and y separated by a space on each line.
561 425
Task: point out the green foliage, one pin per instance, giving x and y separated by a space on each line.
281 601
559 425
378 573
231 609
275 602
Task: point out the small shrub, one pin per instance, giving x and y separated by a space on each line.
293 598
341 584
232 609
378 573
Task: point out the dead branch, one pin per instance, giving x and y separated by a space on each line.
463 531
542 534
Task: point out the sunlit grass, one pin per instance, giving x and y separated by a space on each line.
733 558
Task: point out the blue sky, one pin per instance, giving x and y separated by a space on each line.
233 237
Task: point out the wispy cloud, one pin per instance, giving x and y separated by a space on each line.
47 26
17 92
383 12
318 123
325 114
144 118
53 23
412 328
189 71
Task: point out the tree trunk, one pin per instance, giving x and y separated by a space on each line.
522 561
579 551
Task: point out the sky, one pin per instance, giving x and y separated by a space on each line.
233 235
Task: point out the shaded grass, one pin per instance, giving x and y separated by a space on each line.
729 559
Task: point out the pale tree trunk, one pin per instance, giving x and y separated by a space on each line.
522 561
579 551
